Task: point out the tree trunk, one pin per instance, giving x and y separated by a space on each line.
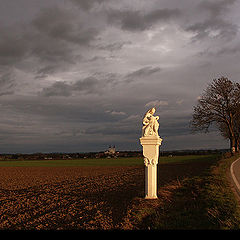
232 145
237 145
231 134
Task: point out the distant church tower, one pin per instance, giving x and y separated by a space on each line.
111 150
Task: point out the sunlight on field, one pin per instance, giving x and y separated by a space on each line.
102 161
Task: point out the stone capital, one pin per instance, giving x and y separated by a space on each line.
150 140
150 149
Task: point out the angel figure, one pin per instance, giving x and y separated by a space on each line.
150 123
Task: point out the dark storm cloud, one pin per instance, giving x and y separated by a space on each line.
12 46
133 20
59 110
77 75
19 45
60 24
51 37
56 34
46 49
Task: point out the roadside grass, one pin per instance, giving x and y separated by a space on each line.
133 161
200 202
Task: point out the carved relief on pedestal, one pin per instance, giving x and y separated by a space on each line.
148 162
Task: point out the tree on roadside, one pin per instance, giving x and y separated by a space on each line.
225 133
219 105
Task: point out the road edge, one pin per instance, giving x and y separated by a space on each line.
235 181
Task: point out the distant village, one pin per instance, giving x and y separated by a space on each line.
111 152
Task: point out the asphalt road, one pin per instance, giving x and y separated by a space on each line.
235 172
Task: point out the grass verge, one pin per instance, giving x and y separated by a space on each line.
200 202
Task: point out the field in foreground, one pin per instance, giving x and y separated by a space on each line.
96 197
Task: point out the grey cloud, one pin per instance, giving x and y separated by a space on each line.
97 83
46 49
12 46
223 51
50 40
88 4
162 15
174 127
216 7
19 45
119 124
47 70
113 46
97 58
63 25
7 83
137 21
116 113
214 25
56 110
228 50
57 89
88 85
112 129
142 72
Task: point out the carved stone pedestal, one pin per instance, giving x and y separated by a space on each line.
151 152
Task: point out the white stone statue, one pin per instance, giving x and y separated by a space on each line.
150 124
150 141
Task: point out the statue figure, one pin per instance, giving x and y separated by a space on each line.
150 123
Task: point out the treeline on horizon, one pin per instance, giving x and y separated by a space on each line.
58 155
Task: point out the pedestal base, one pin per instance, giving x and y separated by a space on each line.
151 181
150 152
146 197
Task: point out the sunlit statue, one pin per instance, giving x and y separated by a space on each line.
150 142
150 124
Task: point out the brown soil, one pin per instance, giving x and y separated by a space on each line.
78 197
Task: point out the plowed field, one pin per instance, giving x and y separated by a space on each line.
77 197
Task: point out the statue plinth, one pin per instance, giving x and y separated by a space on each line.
150 152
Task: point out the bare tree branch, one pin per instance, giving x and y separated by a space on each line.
219 105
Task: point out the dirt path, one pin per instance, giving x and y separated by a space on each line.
76 197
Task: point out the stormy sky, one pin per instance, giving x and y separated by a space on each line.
78 75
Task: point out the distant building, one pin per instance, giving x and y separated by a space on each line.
111 150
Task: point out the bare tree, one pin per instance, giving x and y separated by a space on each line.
219 105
